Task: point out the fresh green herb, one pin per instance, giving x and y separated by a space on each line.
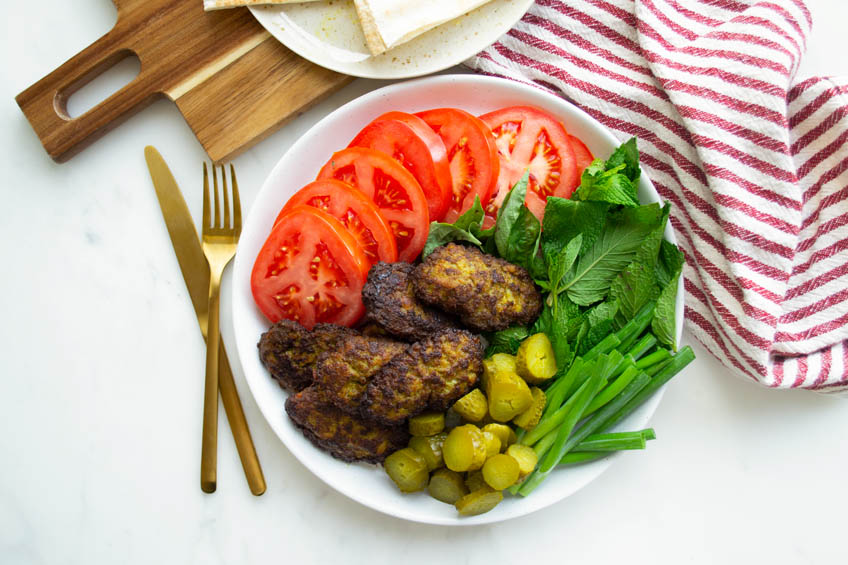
614 249
506 341
466 228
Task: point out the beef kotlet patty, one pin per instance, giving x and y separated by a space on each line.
342 374
345 437
429 375
391 304
485 292
289 351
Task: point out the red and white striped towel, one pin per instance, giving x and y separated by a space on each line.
754 163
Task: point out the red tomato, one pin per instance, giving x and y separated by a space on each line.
528 137
310 270
411 141
582 156
392 188
354 210
472 154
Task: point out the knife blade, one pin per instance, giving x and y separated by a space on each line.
195 271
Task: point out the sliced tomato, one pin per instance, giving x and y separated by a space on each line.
310 270
392 188
410 140
582 156
473 157
530 138
354 210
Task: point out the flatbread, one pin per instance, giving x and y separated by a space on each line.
222 4
388 23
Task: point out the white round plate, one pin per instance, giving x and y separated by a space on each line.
365 483
328 34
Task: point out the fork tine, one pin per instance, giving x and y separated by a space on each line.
236 202
227 223
205 198
217 223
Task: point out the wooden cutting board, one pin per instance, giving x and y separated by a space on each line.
231 80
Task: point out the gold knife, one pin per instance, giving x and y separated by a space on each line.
195 271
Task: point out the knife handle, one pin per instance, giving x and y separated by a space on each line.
238 425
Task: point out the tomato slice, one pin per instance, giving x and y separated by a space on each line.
473 157
354 210
310 270
410 140
530 138
392 188
582 156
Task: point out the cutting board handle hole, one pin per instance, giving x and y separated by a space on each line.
105 79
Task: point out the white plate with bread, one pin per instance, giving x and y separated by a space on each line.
389 39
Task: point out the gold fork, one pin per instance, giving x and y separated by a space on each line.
219 245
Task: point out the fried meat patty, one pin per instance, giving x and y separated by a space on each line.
345 437
289 351
391 304
485 292
341 375
429 375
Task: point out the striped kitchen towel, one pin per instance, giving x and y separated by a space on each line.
754 163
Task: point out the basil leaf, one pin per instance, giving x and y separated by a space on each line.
465 228
508 214
600 320
523 240
614 249
441 234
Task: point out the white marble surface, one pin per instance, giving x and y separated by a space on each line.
101 368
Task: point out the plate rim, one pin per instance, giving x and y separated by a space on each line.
246 345
356 69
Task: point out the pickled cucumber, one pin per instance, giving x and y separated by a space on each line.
407 468
509 396
473 406
500 471
535 361
479 501
447 486
496 364
526 458
464 448
504 433
430 448
427 424
493 443
474 481
530 417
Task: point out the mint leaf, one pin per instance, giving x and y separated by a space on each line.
615 248
615 189
669 262
600 321
649 252
664 324
565 219
626 154
634 287
506 341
